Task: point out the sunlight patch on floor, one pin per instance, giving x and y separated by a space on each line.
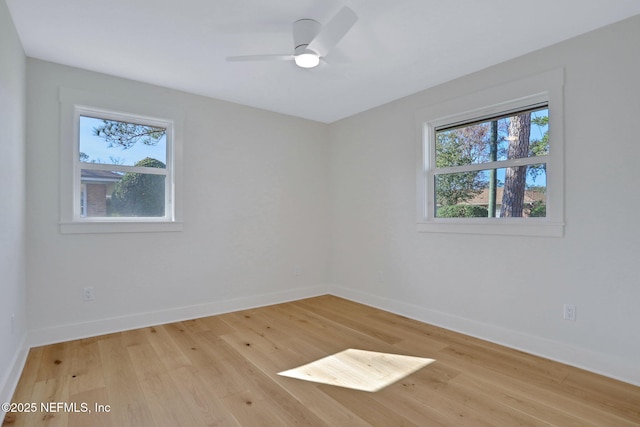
359 369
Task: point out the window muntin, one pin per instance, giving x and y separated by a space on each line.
123 167
492 167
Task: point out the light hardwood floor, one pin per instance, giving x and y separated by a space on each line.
222 370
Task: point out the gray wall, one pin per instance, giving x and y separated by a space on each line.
507 289
279 208
255 209
12 206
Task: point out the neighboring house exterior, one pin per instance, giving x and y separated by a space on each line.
530 197
96 187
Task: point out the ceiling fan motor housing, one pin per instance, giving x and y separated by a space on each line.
304 31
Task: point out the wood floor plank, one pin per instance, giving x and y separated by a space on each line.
166 406
598 391
95 416
215 325
187 344
345 316
522 403
323 331
123 389
255 368
223 370
536 395
50 391
366 407
86 367
171 356
305 392
253 408
56 362
199 397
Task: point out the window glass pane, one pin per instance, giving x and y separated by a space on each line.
117 194
506 192
120 143
513 136
459 188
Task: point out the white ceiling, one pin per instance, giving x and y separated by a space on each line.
395 49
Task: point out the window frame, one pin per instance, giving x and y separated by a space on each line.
75 103
545 88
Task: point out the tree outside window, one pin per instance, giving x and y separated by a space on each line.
494 167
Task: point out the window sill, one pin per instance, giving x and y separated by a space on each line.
89 227
499 227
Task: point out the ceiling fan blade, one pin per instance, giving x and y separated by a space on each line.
285 57
333 31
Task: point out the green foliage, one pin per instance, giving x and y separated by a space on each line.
538 209
456 147
139 194
539 147
540 120
462 211
452 189
125 135
484 142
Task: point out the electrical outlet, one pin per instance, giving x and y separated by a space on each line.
569 312
297 270
13 323
87 293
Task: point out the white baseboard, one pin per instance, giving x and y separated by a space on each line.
10 382
68 332
603 364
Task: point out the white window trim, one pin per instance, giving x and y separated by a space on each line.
73 104
545 87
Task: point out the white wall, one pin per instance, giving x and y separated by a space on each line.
507 289
259 188
255 211
12 206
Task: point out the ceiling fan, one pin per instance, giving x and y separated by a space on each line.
311 41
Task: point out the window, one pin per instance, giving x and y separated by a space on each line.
123 166
118 170
496 168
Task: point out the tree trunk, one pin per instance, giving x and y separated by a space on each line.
515 178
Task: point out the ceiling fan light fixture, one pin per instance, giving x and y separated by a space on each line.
311 40
307 60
